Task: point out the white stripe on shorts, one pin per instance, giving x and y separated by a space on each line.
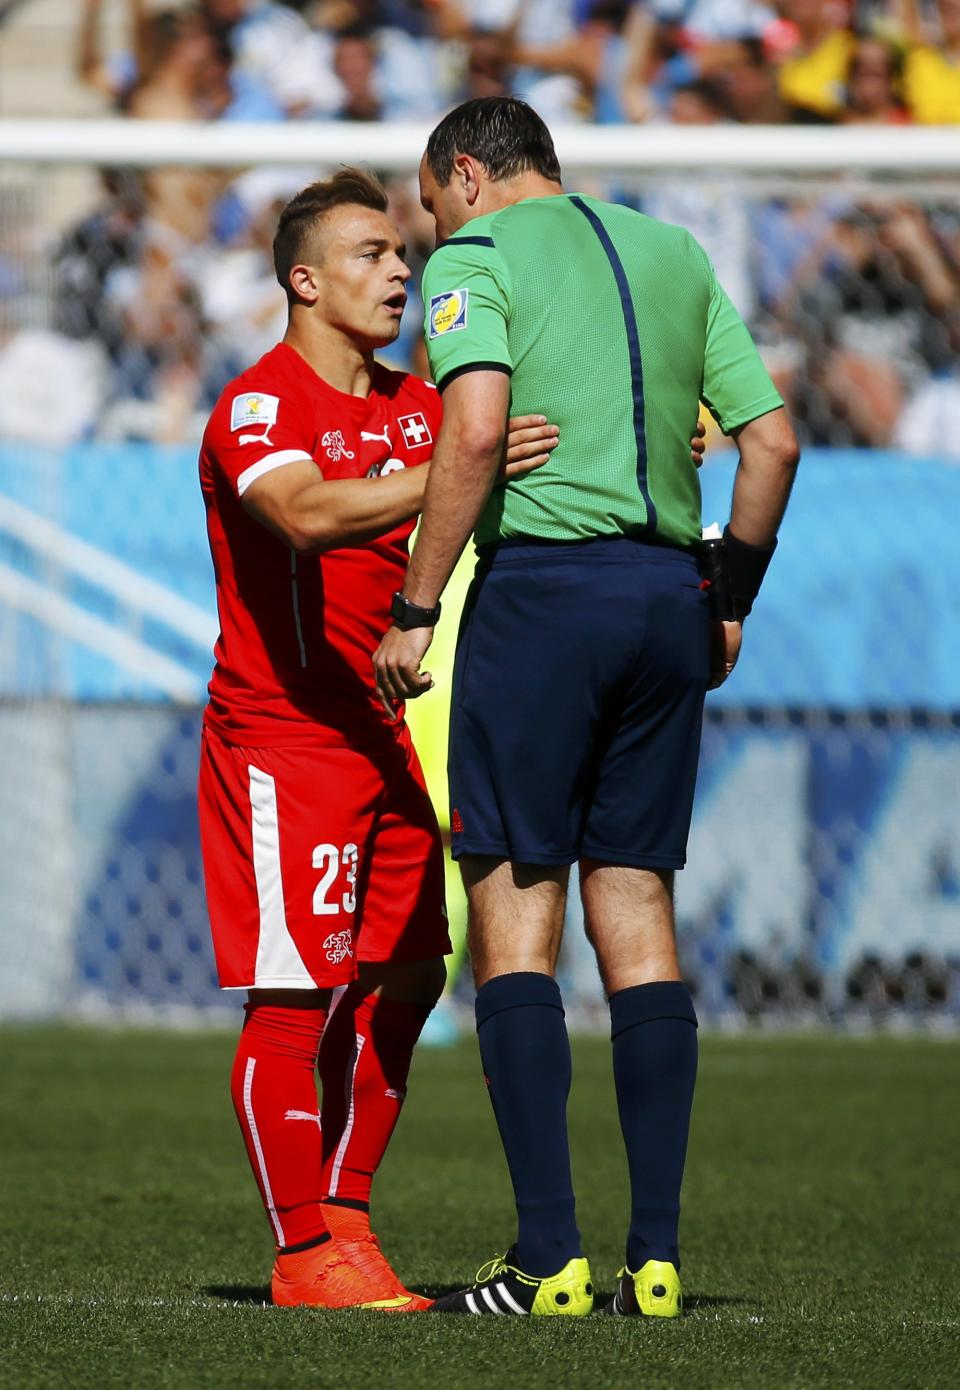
277 954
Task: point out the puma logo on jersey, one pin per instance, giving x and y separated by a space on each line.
256 438
336 446
368 438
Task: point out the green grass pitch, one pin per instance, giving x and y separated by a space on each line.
821 1228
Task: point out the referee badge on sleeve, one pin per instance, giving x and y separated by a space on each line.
448 312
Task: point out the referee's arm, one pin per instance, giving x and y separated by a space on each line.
769 454
463 470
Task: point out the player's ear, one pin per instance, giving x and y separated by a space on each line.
304 282
467 172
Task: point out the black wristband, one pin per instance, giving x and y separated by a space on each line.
744 567
407 615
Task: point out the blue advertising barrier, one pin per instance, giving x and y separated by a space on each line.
861 608
824 863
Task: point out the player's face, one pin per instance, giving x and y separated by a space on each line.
448 204
361 275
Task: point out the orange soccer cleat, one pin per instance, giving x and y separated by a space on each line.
350 1229
326 1277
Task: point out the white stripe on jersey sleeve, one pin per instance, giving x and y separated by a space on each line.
267 464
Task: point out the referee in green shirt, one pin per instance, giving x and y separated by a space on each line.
585 651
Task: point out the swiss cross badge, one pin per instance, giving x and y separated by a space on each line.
416 431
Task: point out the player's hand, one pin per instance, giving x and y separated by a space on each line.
396 663
698 444
530 441
725 639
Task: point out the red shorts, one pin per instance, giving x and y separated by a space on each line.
317 858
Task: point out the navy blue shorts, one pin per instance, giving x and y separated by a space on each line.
577 704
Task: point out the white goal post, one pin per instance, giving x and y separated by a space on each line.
908 152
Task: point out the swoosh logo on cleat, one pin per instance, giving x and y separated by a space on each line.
401 1301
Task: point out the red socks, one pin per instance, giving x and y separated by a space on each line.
364 1064
274 1091
364 1061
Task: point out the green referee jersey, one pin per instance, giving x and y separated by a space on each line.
614 327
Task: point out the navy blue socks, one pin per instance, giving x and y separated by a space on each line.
526 1062
654 1030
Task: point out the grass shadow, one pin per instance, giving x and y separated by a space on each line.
238 1293
255 1295
693 1301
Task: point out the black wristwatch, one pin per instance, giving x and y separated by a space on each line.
407 615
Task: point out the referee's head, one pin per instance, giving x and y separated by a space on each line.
488 152
503 133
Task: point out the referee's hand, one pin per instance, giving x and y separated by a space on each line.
396 664
725 639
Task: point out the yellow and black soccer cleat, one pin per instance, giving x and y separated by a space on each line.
504 1289
653 1292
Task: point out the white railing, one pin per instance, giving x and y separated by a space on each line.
67 618
773 150
142 598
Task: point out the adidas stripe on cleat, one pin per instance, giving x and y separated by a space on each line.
504 1290
653 1292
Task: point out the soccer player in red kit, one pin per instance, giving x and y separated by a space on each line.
322 855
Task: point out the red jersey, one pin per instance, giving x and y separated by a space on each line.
297 632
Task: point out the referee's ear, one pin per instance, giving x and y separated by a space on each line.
470 176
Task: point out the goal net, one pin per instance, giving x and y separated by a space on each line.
135 281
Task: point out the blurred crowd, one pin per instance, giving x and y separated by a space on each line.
817 61
165 289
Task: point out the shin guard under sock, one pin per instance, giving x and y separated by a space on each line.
364 1064
274 1090
654 1030
526 1062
